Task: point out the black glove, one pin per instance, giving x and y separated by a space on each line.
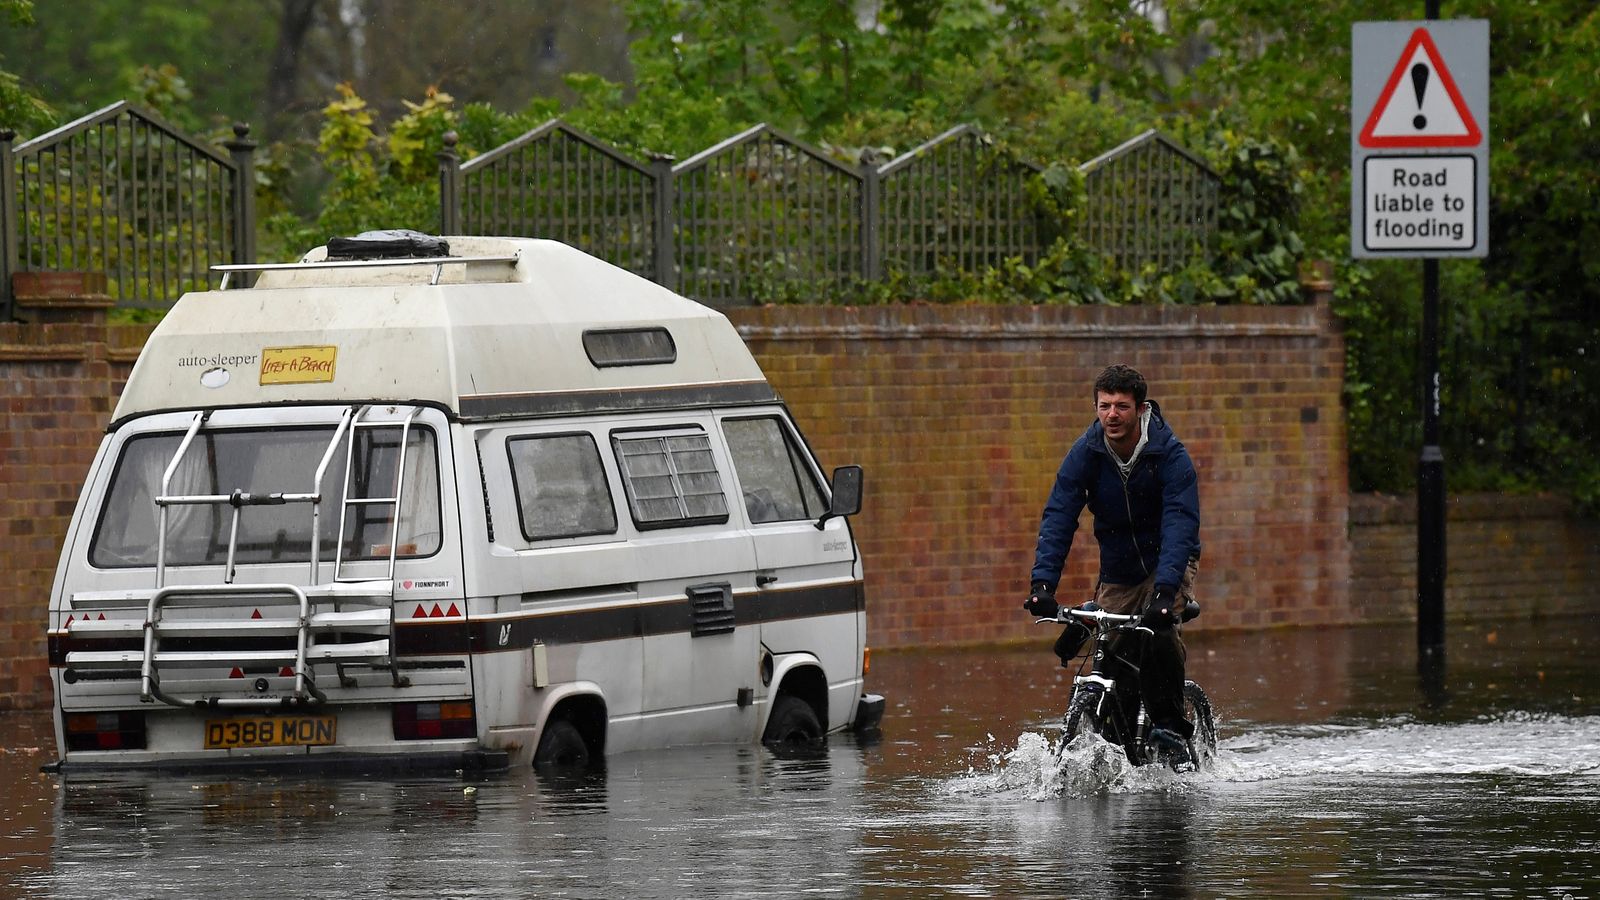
1162 611
1042 601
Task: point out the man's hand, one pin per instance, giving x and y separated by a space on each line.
1162 611
1042 601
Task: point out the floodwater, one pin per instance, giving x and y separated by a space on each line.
1343 773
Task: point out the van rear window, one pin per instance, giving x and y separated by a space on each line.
671 480
561 486
266 461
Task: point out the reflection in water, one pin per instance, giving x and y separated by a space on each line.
1431 678
1341 772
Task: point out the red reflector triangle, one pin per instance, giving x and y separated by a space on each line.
69 623
453 611
236 673
255 614
286 672
420 613
436 612
102 617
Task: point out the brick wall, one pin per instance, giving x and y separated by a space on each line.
60 384
961 415
1505 557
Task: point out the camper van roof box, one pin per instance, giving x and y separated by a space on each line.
396 243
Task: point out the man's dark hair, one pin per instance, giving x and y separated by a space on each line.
1120 379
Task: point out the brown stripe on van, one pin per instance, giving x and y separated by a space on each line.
566 403
658 618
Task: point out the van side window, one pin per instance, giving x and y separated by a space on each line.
611 347
671 480
561 486
773 475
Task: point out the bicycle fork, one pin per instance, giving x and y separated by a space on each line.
1108 711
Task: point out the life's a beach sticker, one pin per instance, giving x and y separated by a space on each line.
297 365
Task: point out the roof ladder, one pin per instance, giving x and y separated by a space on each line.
358 425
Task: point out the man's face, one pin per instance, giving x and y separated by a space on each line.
1119 415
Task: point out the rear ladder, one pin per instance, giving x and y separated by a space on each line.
375 596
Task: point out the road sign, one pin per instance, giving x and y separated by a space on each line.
1429 112
1419 142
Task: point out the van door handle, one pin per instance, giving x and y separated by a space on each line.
763 579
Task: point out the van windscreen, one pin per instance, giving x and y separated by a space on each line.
267 461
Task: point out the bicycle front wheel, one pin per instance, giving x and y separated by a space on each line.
1197 709
1083 717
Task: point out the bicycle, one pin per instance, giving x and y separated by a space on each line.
1096 706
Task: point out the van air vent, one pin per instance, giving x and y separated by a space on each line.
713 608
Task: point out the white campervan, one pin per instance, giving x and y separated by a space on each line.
500 503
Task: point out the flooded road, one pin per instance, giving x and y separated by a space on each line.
1342 773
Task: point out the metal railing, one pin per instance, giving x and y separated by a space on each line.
954 203
762 207
559 183
763 214
757 216
121 192
1149 202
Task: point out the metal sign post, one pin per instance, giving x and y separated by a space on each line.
1419 188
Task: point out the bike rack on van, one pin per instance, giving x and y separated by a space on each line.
376 596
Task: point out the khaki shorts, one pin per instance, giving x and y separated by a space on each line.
1126 599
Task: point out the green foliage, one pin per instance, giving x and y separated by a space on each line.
163 91
85 55
18 13
20 108
1259 248
374 183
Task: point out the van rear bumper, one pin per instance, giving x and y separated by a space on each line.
473 760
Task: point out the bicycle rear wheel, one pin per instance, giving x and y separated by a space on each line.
1197 709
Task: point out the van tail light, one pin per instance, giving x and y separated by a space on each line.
866 660
429 721
105 731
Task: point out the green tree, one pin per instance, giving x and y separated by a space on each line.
86 55
20 108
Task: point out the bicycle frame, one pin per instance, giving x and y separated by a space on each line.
1101 682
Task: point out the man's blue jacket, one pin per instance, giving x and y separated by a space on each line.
1150 525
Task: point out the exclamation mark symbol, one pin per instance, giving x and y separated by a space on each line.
1419 84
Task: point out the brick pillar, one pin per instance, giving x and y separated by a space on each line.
78 298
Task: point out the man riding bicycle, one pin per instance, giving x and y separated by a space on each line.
1139 483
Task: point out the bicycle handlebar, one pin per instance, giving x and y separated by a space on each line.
1097 615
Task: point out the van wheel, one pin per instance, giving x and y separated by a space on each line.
793 724
561 747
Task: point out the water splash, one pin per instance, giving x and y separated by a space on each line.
1086 767
1517 744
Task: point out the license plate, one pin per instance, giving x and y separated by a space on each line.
269 731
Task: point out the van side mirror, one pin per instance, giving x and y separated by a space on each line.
846 494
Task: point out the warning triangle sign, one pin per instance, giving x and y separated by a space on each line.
1420 105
